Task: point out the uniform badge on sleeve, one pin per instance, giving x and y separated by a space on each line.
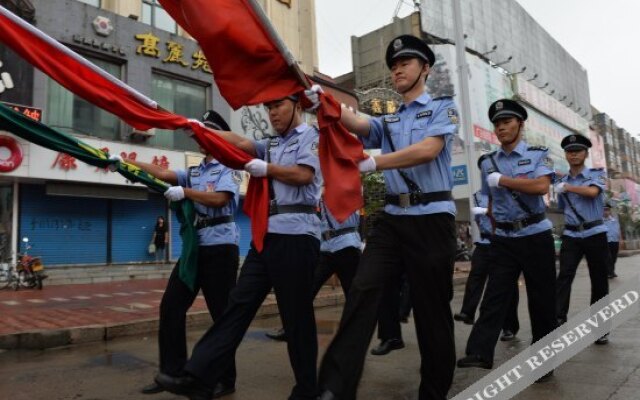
314 148
453 115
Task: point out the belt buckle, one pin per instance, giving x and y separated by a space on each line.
404 200
518 225
273 207
326 235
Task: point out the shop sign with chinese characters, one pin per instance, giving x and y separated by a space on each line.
173 53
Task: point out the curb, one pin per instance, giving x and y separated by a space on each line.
47 339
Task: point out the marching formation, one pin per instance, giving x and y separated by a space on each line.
301 237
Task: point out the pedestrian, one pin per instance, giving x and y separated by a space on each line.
287 262
389 328
515 177
480 266
160 239
340 249
415 234
613 238
214 189
581 197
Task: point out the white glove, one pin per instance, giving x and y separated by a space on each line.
560 187
367 165
174 193
478 211
114 167
256 168
313 94
494 179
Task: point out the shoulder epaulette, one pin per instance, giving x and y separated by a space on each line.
484 157
597 169
537 148
443 98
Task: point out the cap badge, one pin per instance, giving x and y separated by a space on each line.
397 44
499 106
572 139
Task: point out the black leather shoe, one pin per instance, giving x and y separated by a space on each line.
603 340
185 385
152 388
327 395
387 346
404 320
223 390
546 377
474 361
507 335
462 317
277 335
611 276
561 321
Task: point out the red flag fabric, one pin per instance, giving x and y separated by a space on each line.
247 66
96 86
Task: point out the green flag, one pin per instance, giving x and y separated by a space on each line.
40 134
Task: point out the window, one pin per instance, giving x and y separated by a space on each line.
95 3
181 97
69 112
154 15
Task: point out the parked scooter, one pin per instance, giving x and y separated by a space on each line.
29 270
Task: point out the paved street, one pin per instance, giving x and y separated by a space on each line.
118 368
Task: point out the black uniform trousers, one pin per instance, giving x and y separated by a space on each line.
405 298
389 311
286 264
480 267
613 252
423 246
343 263
217 272
534 257
596 250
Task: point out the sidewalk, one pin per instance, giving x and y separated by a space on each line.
62 315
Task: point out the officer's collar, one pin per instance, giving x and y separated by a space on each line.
204 162
584 168
295 131
520 148
423 99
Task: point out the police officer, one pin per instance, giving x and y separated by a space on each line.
214 191
515 178
580 195
286 263
480 266
339 254
416 232
389 313
613 237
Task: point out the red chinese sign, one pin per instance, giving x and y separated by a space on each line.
162 161
65 162
31 112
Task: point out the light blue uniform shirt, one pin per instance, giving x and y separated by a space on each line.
589 209
214 177
483 221
613 229
523 162
299 147
343 241
424 117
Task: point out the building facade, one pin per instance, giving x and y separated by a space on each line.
75 214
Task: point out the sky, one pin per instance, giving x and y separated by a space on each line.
603 36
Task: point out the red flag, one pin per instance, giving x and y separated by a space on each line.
96 86
249 68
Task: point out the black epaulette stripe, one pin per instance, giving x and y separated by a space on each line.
597 169
443 97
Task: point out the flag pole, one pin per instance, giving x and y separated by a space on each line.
282 47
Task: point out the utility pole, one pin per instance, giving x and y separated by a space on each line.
465 106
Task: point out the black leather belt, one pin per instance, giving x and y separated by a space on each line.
411 199
486 236
326 235
275 209
584 226
202 223
518 225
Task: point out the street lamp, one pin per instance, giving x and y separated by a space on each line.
535 76
563 98
496 65
543 86
519 72
493 49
